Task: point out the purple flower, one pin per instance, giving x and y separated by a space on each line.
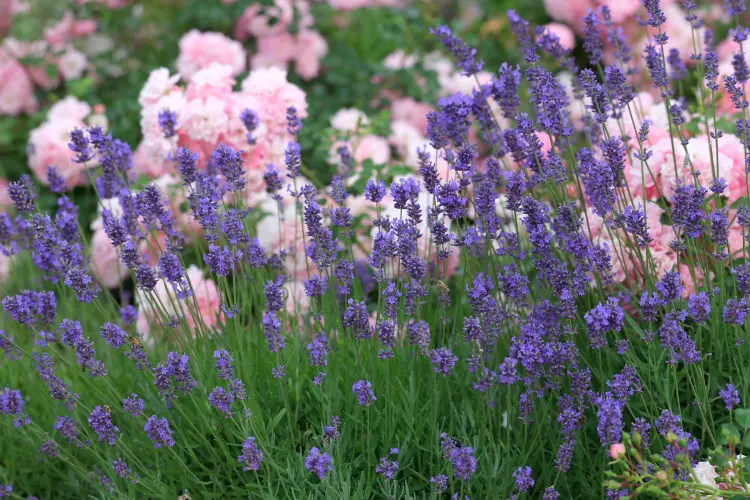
642 427
363 390
598 181
387 468
81 283
133 405
11 403
315 286
167 122
251 456
356 318
442 360
274 293
113 334
523 479
55 181
223 363
602 319
121 468
318 350
100 420
731 396
674 338
6 490
699 307
272 332
318 463
231 166
222 400
71 335
50 449
565 455
504 89
734 7
439 483
293 123
177 368
670 286
80 142
9 350
550 493
278 372
418 334
636 224
331 432
591 37
22 195
250 120
292 159
462 53
171 270
158 432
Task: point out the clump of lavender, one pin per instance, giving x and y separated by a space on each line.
318 463
364 392
251 456
158 432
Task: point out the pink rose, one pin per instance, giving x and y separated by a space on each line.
48 143
349 120
5 200
72 64
411 111
105 262
274 50
617 451
568 12
68 29
158 84
199 50
565 34
16 88
311 49
262 21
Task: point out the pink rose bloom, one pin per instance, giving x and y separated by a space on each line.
158 84
199 50
263 21
5 200
48 143
404 136
565 34
349 120
568 12
105 263
215 80
16 88
399 60
411 111
68 29
312 47
5 263
72 64
205 120
274 50
273 95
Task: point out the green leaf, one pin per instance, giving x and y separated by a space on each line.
276 421
51 71
742 416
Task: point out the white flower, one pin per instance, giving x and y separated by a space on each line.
706 474
205 120
158 84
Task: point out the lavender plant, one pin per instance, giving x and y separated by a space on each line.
501 328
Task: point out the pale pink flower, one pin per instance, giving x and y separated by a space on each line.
5 200
568 12
273 95
200 50
274 50
16 88
349 120
48 143
411 111
403 136
158 84
205 120
215 80
564 33
311 48
105 263
5 264
617 451
72 64
68 29
399 60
